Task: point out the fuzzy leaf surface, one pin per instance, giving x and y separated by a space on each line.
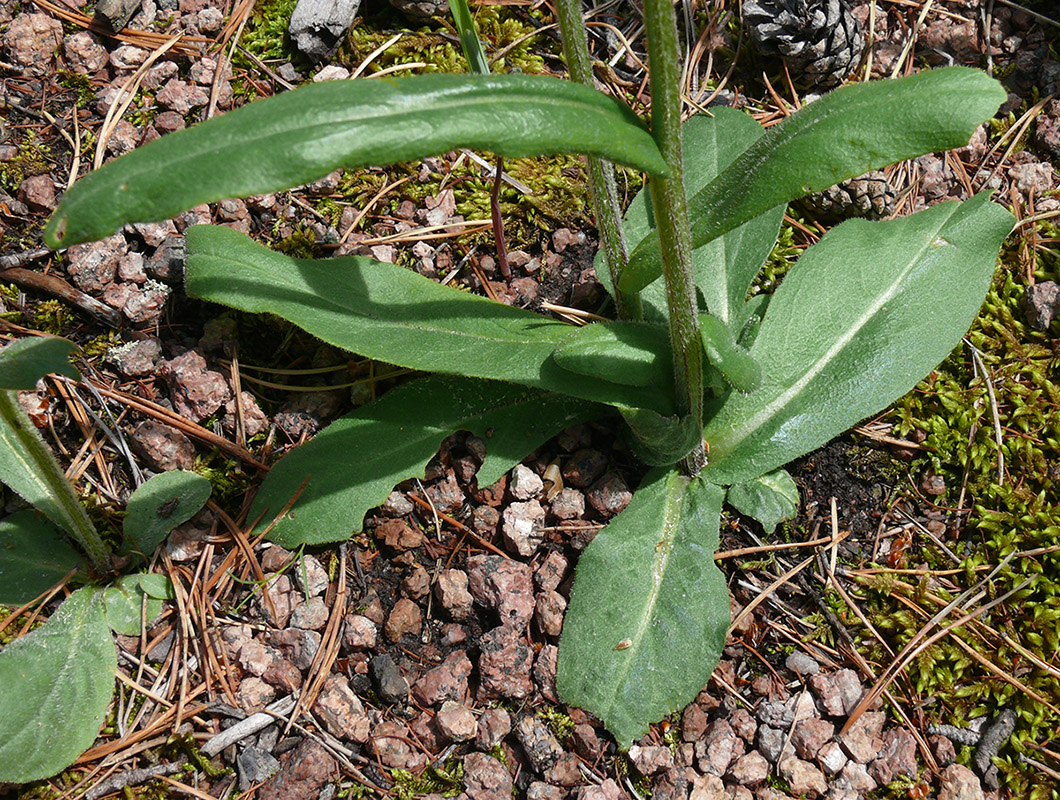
864 314
158 506
28 467
124 599
770 498
302 135
55 685
647 598
724 267
392 314
354 463
26 361
34 556
856 128
627 353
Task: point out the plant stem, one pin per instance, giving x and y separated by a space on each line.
43 483
671 216
603 191
498 223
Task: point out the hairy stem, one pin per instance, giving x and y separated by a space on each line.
603 190
671 215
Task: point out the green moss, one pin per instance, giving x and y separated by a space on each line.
102 343
561 725
266 32
498 27
81 85
229 482
53 317
32 159
446 780
951 410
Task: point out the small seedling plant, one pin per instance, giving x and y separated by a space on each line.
717 391
56 682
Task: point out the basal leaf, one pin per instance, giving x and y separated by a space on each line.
29 468
865 313
649 608
856 128
392 314
627 353
165 501
724 267
34 556
354 463
55 685
770 498
123 601
302 135
26 361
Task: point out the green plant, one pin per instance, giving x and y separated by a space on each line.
56 681
690 364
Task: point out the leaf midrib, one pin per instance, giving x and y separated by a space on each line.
768 412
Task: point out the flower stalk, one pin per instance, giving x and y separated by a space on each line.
603 190
671 216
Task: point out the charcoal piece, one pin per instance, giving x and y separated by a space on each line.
254 766
117 13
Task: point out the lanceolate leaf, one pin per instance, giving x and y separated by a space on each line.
392 314
353 464
302 135
649 609
865 313
770 499
34 556
844 134
726 266
55 685
26 361
628 353
29 468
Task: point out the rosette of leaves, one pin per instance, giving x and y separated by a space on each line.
855 324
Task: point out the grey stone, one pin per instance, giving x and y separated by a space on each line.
540 745
318 26
255 766
771 742
135 359
1041 303
389 682
802 664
